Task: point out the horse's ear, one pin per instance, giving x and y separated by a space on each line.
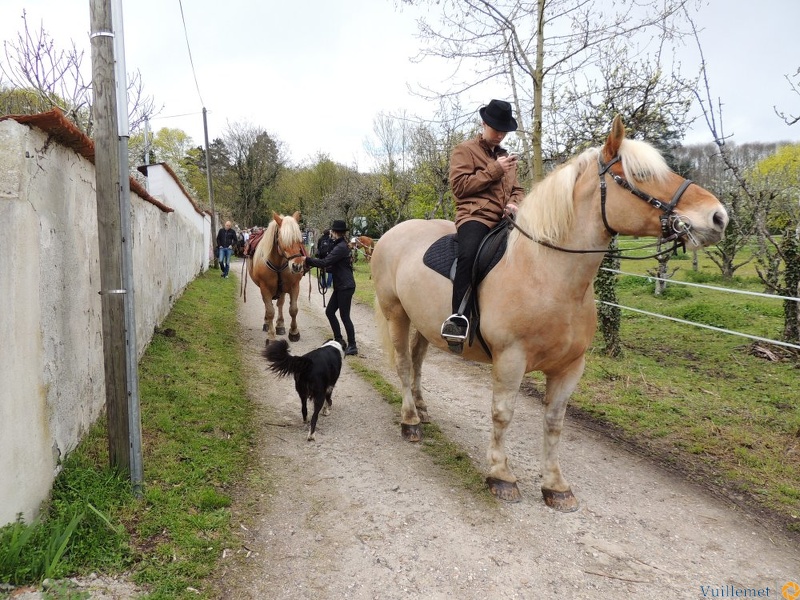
614 139
276 217
296 216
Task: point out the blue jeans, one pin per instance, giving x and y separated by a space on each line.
225 260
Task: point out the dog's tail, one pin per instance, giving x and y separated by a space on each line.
283 363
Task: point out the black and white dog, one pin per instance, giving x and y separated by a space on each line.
315 374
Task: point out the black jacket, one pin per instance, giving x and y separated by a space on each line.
338 263
226 237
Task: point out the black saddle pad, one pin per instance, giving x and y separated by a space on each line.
443 254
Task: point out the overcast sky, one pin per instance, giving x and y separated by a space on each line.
316 73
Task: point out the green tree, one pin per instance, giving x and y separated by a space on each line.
778 178
170 146
256 161
609 314
431 146
222 177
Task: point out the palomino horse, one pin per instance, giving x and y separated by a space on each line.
276 267
538 309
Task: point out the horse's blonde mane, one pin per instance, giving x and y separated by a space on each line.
547 211
264 248
289 234
642 162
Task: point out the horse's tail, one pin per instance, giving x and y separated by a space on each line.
283 363
382 323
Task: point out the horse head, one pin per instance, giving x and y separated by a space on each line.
289 241
684 210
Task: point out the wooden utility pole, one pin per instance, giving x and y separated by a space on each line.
210 191
107 168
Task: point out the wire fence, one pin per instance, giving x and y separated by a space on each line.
703 325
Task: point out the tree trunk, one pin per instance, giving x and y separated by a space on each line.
608 313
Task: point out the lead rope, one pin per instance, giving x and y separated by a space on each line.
243 284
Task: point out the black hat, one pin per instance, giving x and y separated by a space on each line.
497 115
338 225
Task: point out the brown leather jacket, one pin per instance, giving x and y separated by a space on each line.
479 185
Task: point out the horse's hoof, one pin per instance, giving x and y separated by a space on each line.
423 416
411 433
294 337
264 327
560 501
280 331
507 491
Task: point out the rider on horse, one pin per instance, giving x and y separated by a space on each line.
483 177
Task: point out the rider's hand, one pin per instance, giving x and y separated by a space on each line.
508 162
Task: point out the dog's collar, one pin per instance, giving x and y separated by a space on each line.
334 343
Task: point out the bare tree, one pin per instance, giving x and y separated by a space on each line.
527 46
53 78
794 85
758 201
393 155
432 143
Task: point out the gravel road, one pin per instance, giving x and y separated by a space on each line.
362 514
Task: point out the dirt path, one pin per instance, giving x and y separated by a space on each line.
361 514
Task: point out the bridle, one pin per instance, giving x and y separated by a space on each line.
674 227
288 258
671 224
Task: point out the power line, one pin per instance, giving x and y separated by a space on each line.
191 61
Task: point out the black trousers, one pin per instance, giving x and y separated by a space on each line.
341 300
469 235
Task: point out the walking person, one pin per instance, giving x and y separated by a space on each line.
226 240
323 248
483 178
338 262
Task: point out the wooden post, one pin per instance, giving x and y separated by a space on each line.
109 232
210 192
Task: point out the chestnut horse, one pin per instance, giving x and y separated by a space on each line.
363 244
276 267
537 304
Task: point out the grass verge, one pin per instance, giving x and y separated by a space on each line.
197 431
443 451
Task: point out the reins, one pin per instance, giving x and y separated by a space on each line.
674 228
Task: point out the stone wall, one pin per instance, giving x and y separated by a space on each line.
51 356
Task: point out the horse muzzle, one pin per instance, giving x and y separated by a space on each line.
297 266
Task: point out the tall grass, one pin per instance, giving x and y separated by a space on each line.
197 429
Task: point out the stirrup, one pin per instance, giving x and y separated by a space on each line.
455 329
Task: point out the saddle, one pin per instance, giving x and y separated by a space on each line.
252 243
442 257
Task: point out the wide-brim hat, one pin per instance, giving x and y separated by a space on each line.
497 115
339 225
